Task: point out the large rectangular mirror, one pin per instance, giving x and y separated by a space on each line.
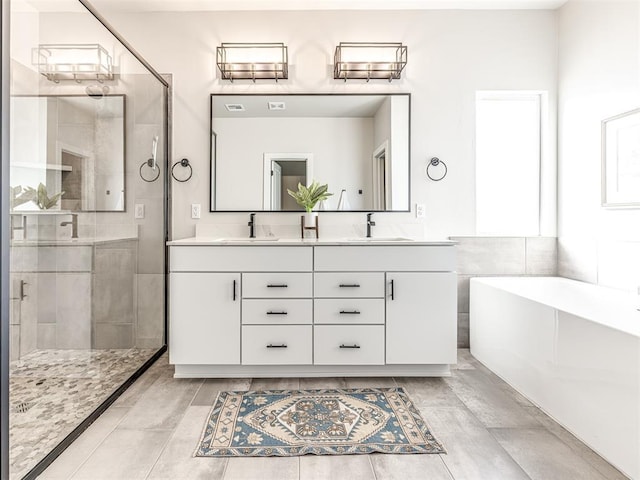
262 145
79 150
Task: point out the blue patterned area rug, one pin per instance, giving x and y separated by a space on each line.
285 423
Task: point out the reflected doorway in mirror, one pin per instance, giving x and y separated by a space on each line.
284 171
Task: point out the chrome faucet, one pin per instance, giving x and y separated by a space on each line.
252 225
74 225
370 223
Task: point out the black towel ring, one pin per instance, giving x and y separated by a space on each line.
183 163
150 164
434 162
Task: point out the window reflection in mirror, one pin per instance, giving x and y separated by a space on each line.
79 150
262 145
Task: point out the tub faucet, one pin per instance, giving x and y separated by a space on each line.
252 225
74 225
370 223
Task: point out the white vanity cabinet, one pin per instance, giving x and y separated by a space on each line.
421 313
205 318
419 289
312 310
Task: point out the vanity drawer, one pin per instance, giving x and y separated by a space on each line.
349 285
276 345
276 285
340 311
277 311
349 345
378 258
231 258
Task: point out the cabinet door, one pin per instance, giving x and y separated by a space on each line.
205 319
421 318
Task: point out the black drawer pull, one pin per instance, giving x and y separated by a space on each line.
276 313
355 345
282 345
349 285
349 312
277 285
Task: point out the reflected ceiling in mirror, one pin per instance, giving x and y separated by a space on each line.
262 145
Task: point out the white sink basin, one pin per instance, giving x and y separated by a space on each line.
247 239
380 239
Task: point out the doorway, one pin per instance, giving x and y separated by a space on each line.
381 177
282 172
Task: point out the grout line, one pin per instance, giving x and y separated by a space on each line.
160 452
373 470
98 445
440 455
498 444
224 470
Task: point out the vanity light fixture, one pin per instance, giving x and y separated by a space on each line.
252 61
73 62
369 60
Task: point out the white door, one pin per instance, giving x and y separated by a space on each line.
421 318
276 186
205 319
381 184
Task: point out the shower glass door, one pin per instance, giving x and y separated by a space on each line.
88 136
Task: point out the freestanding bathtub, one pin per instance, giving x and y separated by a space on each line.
571 348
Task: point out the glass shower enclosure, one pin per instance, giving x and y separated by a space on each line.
87 221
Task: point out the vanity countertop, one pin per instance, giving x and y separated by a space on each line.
203 241
71 242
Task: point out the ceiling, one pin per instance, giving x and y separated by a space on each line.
299 105
213 5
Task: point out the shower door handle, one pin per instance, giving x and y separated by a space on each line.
22 295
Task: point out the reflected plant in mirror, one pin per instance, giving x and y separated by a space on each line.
40 197
357 143
308 197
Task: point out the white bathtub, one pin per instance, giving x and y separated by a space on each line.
573 349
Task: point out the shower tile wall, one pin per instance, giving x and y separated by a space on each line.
144 111
76 297
492 256
611 263
150 330
114 295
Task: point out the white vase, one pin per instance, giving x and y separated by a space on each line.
310 219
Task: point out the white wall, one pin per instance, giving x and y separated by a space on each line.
599 77
341 149
451 54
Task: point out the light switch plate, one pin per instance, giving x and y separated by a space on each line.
139 211
419 210
195 210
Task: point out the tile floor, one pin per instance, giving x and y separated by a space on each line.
490 431
52 391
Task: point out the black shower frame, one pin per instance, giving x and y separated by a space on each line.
4 249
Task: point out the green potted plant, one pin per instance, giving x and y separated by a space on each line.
39 196
308 197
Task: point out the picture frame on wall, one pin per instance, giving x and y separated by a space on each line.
621 160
